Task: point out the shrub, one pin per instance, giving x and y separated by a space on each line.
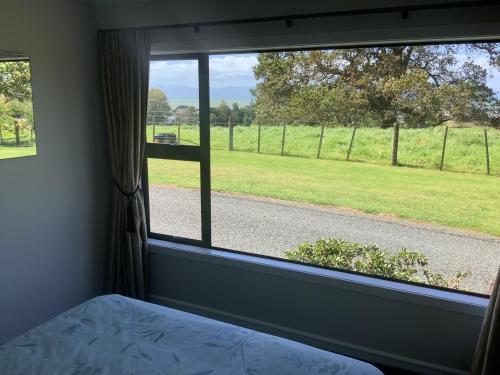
370 259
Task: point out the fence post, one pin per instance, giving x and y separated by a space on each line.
444 147
320 141
283 140
258 139
1 135
395 144
487 151
350 144
154 131
231 135
179 131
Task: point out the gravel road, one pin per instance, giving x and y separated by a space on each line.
269 227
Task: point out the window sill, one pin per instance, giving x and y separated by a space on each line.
415 294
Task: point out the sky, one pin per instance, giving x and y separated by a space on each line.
232 78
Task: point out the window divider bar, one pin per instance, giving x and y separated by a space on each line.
205 178
173 152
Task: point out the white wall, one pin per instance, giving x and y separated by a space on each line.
54 207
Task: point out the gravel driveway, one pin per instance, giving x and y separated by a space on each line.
269 227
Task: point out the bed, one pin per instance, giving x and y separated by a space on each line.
118 335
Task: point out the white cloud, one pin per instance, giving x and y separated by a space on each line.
225 71
232 70
174 73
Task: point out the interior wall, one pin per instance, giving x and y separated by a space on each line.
54 207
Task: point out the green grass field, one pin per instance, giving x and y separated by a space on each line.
16 152
8 147
465 150
460 200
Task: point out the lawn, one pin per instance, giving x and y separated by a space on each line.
460 200
465 151
8 147
7 152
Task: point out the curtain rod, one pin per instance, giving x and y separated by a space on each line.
288 19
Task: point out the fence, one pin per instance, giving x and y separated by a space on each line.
398 146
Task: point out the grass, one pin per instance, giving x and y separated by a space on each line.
465 151
462 200
16 152
8 148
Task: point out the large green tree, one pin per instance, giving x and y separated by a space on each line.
15 80
158 102
412 85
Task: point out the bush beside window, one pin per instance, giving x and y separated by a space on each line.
370 259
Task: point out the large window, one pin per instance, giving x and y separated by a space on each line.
378 160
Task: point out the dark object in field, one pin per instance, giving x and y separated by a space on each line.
168 138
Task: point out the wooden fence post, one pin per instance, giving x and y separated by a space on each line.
395 144
320 141
283 140
1 135
231 134
444 148
154 131
487 151
258 139
350 144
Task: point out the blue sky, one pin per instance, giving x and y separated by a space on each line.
231 78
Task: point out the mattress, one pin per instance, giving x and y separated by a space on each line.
118 335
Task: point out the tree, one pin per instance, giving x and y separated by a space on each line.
15 80
186 114
158 102
222 113
415 85
18 116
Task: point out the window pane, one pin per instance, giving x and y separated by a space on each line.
174 198
303 147
17 125
173 103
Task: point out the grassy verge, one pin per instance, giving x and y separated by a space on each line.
460 200
16 152
8 148
465 151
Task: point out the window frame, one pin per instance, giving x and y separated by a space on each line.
202 153
194 153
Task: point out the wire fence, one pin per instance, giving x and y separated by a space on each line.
466 149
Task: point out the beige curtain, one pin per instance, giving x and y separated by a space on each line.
487 356
124 63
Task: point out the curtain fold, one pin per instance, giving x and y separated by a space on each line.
124 65
487 356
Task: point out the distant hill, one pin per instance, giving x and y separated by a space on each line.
178 95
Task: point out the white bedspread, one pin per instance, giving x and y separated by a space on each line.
117 335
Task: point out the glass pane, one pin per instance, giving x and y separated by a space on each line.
17 126
174 198
334 158
173 103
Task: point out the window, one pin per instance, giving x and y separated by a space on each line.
378 160
17 125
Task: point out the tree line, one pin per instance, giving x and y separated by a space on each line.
160 111
411 86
